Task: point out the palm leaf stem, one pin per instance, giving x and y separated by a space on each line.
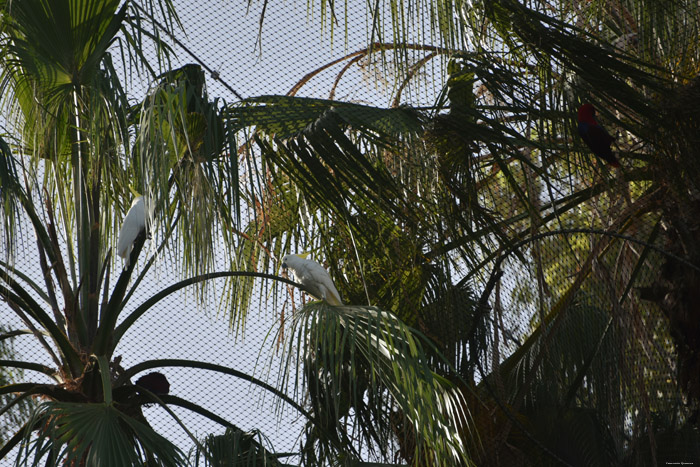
145 306
213 367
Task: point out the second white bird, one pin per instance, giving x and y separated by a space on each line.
134 223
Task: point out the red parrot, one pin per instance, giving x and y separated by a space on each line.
595 135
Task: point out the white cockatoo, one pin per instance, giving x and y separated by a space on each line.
134 223
313 277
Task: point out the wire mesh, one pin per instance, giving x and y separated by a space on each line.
601 338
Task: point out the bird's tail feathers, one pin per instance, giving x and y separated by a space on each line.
333 300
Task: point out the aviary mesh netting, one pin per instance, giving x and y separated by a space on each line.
508 298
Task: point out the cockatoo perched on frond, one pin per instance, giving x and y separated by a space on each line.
134 223
313 277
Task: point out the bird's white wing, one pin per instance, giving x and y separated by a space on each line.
325 284
134 222
321 282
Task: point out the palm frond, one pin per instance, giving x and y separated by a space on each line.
352 354
13 412
329 147
10 184
234 447
93 433
185 165
286 116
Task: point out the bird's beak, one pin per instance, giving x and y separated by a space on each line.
284 265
